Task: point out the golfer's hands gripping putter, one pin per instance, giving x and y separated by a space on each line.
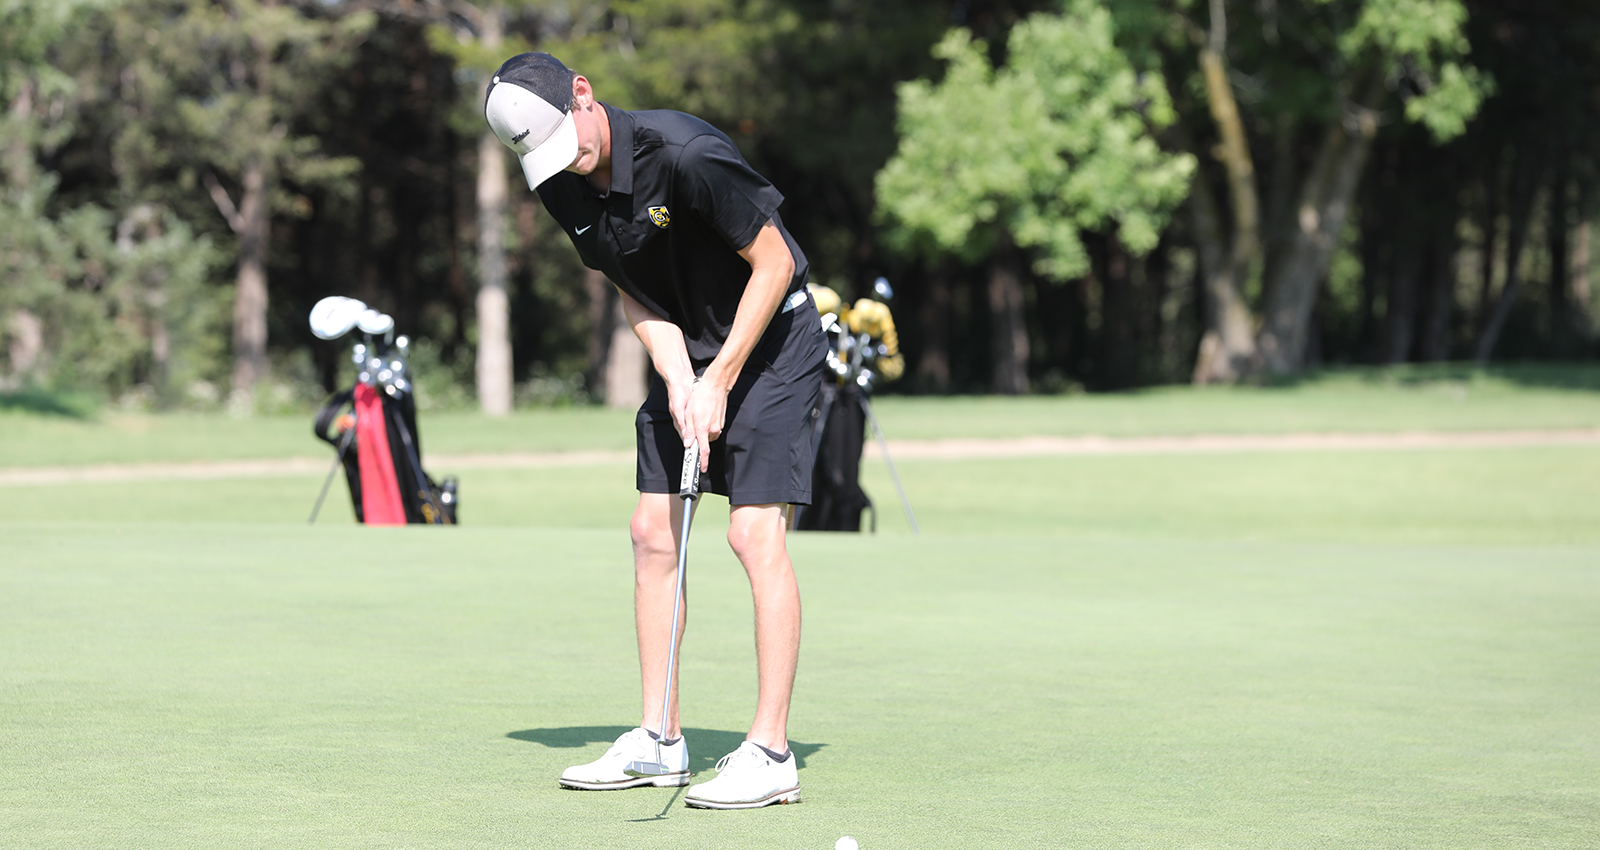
689 482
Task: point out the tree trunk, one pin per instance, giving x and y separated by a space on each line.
1582 325
1227 346
1568 324
1117 363
933 363
1227 350
1524 186
1558 229
1374 226
1324 202
1400 319
250 296
16 158
142 222
1009 327
25 348
602 298
628 366
494 305
1491 238
1440 280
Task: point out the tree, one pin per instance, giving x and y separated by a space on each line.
219 95
1324 75
93 298
994 162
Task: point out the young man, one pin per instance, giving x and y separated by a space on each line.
714 286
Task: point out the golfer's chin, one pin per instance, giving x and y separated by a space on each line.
583 165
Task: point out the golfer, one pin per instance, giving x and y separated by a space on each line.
714 287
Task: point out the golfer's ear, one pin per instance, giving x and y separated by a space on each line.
582 92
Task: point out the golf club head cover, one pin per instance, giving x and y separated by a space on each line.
689 483
874 319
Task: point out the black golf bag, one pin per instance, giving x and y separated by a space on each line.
837 499
374 429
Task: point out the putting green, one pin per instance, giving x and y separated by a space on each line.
214 684
1251 649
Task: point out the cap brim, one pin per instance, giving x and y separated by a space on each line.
553 155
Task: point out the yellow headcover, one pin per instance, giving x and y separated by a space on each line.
874 319
827 300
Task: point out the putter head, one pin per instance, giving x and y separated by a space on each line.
646 768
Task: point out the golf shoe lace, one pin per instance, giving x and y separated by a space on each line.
630 743
746 752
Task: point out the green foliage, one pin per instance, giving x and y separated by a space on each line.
704 57
29 33
118 300
100 304
1424 41
1058 141
225 84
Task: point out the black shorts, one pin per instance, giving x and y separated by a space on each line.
764 455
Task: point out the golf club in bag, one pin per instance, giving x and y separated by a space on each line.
688 490
376 438
840 425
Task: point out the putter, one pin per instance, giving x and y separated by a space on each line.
688 490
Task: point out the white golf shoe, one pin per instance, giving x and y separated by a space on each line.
748 778
610 771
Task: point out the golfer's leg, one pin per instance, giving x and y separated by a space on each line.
756 533
655 529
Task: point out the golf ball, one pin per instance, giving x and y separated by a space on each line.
846 843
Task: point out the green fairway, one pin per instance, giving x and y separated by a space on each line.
1395 648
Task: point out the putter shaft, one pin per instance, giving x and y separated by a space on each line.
688 490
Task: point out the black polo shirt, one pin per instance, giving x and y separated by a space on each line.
682 203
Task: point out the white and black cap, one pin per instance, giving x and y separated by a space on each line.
529 109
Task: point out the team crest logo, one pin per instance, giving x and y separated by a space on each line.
660 216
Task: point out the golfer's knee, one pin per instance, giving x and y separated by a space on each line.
752 542
652 538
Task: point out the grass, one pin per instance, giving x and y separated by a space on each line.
214 685
1438 398
1274 650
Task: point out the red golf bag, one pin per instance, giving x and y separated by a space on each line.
378 445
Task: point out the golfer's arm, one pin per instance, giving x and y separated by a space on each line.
661 338
771 268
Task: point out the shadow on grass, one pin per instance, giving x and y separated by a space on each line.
46 403
708 744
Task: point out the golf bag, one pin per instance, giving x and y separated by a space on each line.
379 447
862 348
377 440
837 499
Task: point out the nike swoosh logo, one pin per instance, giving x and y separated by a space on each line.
580 230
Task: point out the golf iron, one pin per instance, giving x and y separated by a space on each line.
688 490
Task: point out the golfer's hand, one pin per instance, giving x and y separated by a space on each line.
678 393
708 405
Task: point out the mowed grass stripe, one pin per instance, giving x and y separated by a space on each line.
202 685
1449 496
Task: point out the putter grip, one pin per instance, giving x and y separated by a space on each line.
689 483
